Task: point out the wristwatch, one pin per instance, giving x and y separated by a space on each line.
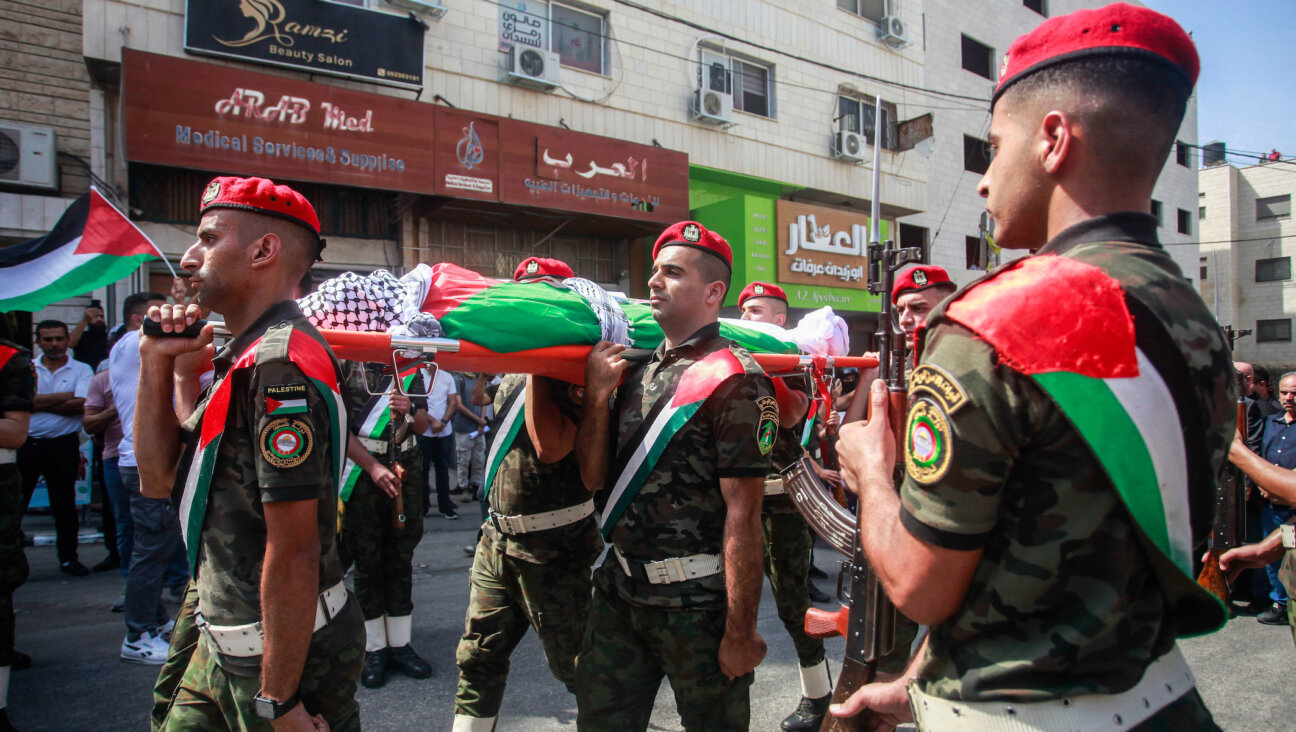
267 708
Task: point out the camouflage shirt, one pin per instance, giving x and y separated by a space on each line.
524 485
680 510
1065 599
360 378
248 473
787 450
17 378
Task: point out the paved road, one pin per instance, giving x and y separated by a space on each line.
78 682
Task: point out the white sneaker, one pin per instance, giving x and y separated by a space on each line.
164 631
149 649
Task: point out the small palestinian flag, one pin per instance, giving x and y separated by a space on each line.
92 245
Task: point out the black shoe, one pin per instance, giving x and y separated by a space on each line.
405 660
450 514
1275 615
20 661
816 594
809 715
74 568
817 573
1255 607
374 674
112 561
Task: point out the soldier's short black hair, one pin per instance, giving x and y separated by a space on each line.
51 325
137 303
713 269
1135 106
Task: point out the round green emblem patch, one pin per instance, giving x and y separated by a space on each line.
928 444
286 442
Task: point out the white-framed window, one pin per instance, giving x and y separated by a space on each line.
873 10
579 37
751 82
857 114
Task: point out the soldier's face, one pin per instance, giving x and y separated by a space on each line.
913 307
764 310
1015 187
217 261
678 288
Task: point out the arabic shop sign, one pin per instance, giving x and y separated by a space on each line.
822 246
468 154
319 37
190 114
525 23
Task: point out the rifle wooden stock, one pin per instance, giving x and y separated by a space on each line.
1229 504
1212 577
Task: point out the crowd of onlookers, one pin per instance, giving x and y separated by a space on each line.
86 385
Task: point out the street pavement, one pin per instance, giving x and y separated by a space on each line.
77 681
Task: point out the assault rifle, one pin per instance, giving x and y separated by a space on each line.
1229 501
867 618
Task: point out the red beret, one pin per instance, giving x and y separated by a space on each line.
762 289
533 267
921 277
1113 30
693 234
262 196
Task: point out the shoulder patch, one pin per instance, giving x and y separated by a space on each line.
286 442
934 381
282 399
929 443
767 426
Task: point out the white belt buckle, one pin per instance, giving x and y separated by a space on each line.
1288 535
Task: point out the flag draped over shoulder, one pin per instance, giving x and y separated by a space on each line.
92 245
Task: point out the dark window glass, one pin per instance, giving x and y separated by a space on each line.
978 58
1274 207
1273 330
1185 222
1273 270
976 155
1038 6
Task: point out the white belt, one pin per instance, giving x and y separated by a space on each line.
542 521
1288 534
245 641
8 455
675 569
380 446
1164 681
774 487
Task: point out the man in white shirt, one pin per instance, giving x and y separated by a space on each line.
438 443
53 446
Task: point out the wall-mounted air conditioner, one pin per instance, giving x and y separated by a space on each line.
28 156
851 147
531 67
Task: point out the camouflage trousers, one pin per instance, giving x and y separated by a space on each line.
184 639
13 561
383 553
210 698
628 648
507 596
787 564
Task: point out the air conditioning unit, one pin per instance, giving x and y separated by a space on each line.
893 31
27 156
851 147
526 66
432 8
712 106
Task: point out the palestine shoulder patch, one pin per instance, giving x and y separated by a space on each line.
767 427
936 382
929 442
281 399
286 442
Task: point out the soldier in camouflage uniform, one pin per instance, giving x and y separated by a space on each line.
17 391
787 537
677 595
531 568
280 639
1054 485
376 537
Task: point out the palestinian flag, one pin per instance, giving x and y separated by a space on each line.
1121 391
92 245
668 414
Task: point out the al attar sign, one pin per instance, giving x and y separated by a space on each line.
198 115
310 35
823 246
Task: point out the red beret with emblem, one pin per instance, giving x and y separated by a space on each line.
921 277
1114 30
535 267
762 289
263 196
693 234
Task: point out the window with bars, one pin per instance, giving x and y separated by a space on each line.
753 87
855 114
